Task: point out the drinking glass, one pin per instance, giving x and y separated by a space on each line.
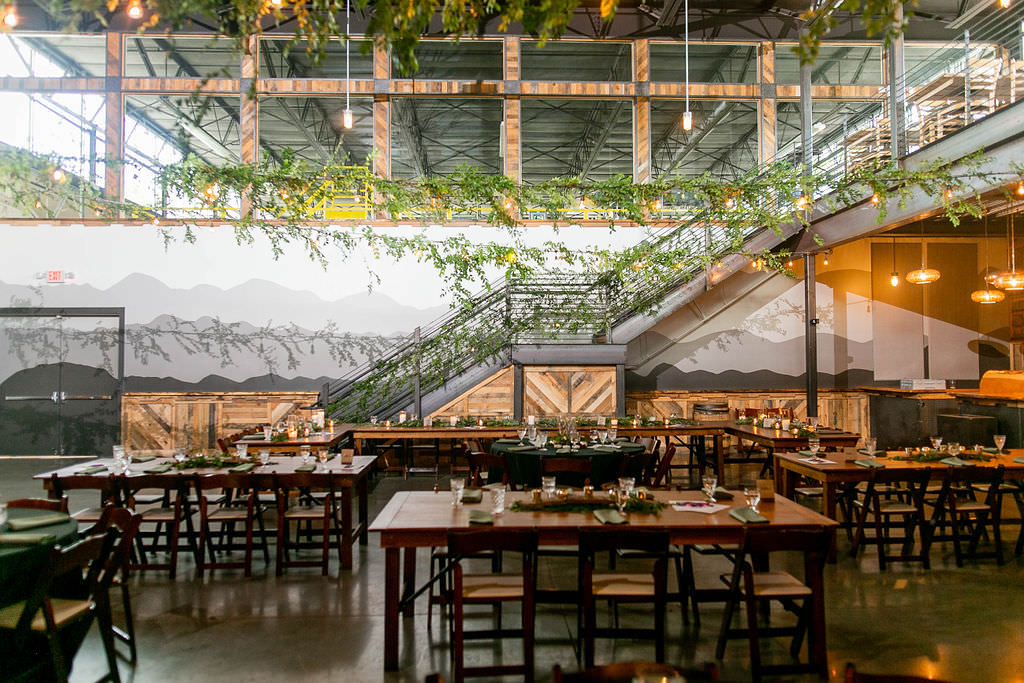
497 501
126 463
869 446
179 455
709 482
542 439
522 433
322 455
1000 440
241 450
547 485
373 419
612 434
936 442
531 433
621 498
264 456
752 495
267 433
118 451
627 483
602 436
305 454
458 486
813 444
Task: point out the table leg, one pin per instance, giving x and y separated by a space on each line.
364 512
409 581
829 494
346 527
357 445
720 455
391 560
816 642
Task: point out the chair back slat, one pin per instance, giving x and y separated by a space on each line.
644 540
566 466
58 505
463 542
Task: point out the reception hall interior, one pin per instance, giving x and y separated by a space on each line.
369 340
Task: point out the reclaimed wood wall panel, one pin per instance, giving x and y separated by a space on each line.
164 421
492 397
553 390
843 409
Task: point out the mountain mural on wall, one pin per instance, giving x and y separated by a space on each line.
257 336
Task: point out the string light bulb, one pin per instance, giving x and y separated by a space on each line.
875 198
949 191
894 279
803 202
346 118
1005 4
135 10
10 16
1020 187
58 175
825 260
729 202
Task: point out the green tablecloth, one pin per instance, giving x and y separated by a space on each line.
524 466
19 563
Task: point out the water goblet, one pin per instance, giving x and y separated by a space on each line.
305 454
373 420
458 487
531 433
954 448
869 446
322 455
241 450
1000 441
542 439
522 433
264 456
547 485
627 483
179 455
118 451
813 444
709 482
126 463
752 495
621 498
602 436
936 442
613 433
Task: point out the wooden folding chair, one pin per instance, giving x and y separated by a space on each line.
882 504
303 508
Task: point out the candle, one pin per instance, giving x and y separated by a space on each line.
292 432
634 422
666 422
453 420
531 420
330 426
615 422
428 421
401 417
387 423
480 423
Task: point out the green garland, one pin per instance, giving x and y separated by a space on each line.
648 506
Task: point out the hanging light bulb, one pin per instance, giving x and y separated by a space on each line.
987 296
1011 280
894 276
803 202
949 191
923 275
1005 4
875 198
687 120
687 114
10 16
135 10
825 260
729 202
346 118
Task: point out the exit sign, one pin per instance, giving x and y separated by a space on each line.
55 276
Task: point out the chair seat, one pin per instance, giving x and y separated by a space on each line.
305 513
228 515
148 498
492 586
810 491
774 585
623 585
157 515
64 612
88 515
972 506
891 507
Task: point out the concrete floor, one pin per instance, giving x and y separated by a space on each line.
953 624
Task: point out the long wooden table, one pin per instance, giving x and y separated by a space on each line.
790 467
315 441
780 440
348 479
422 519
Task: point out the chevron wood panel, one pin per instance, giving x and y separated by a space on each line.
846 410
164 421
552 390
490 398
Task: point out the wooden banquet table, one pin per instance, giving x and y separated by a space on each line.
790 467
775 440
348 479
524 464
422 519
315 441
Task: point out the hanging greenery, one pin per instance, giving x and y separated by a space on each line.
398 24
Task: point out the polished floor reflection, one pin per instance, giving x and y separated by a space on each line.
961 625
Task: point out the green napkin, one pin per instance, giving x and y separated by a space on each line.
564 450
305 468
869 464
143 458
26 539
609 516
43 519
1019 461
92 469
748 516
607 449
953 461
472 495
244 467
506 441
810 454
522 449
991 449
623 438
722 494
864 451
480 517
158 469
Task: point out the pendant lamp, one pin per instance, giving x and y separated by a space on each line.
987 295
923 275
1011 280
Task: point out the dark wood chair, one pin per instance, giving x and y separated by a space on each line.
558 467
754 588
305 509
644 587
165 518
492 589
853 676
108 487
482 462
627 672
53 505
661 474
882 503
638 466
238 509
967 517
44 614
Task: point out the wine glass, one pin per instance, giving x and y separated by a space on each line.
602 436
322 455
936 442
1000 441
304 452
613 433
179 455
869 446
752 495
264 456
522 433
709 481
627 483
813 445
373 420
